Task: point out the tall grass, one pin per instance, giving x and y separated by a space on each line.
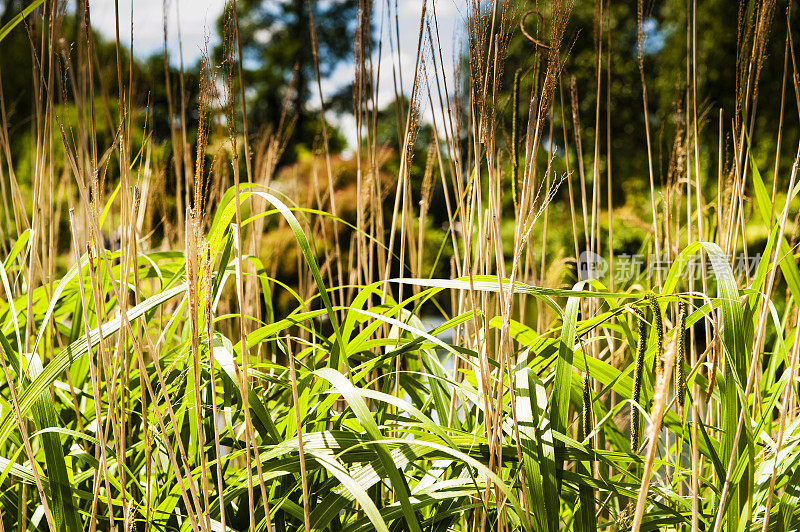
157 381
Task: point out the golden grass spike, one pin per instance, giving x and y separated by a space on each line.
515 136
680 379
625 517
638 370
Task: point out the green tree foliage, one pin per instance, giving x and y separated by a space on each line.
278 60
722 33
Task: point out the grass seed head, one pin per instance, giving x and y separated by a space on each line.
680 380
658 332
638 370
586 411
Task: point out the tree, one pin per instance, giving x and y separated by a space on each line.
718 43
277 56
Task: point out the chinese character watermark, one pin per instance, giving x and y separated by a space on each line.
628 267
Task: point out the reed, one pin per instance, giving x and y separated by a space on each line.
398 336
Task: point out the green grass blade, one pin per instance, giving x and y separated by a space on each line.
355 399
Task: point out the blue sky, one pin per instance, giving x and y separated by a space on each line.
197 25
197 21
